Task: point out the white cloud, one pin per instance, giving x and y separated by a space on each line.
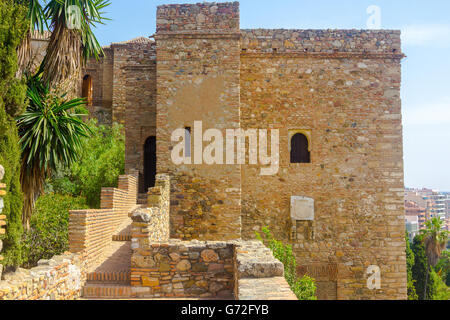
433 113
437 35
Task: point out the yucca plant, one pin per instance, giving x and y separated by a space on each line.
72 41
51 133
36 23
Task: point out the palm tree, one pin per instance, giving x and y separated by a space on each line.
435 240
72 41
70 44
36 22
50 136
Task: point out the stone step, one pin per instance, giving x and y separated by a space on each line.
109 277
142 198
106 291
121 237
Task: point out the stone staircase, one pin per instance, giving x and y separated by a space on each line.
142 199
110 277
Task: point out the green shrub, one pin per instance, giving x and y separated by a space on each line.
304 288
443 267
48 235
420 271
442 291
101 162
13 26
412 295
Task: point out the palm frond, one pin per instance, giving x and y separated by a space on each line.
50 136
70 48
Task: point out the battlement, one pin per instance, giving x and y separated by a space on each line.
198 17
321 41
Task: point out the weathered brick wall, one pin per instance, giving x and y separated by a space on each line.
60 278
198 79
130 54
91 231
102 86
140 102
345 89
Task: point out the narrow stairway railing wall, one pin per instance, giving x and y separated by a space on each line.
91 231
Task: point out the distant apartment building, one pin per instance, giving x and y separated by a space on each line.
412 226
414 210
447 209
426 204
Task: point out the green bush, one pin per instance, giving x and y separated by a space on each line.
420 271
443 267
412 295
304 288
13 26
48 235
100 164
442 291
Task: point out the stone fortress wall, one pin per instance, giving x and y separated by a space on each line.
343 88
170 268
198 63
339 87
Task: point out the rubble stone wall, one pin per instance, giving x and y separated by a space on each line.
344 90
60 278
198 79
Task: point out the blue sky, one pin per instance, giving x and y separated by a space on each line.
425 29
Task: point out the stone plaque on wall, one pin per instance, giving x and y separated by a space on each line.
302 208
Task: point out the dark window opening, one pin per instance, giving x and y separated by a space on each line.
300 149
187 141
87 91
149 163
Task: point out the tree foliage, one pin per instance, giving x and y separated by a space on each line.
13 26
100 164
73 41
443 267
12 95
305 287
48 235
435 239
410 261
424 284
51 135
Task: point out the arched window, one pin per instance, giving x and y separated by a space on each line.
87 89
300 149
149 163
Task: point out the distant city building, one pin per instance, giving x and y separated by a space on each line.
426 204
412 226
414 210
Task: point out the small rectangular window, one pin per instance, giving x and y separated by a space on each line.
187 140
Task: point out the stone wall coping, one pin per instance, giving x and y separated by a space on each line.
49 277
